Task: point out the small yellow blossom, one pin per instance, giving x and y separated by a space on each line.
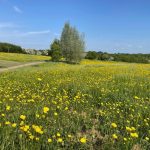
23 117
114 125
60 140
14 125
31 137
83 140
115 136
128 129
2 115
8 108
7 123
45 109
37 139
69 136
133 129
39 79
49 140
146 138
37 129
55 114
37 115
134 135
66 108
21 123
25 128
136 97
58 134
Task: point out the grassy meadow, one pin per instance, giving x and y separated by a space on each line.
95 105
22 57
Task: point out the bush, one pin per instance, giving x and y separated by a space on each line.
92 55
55 51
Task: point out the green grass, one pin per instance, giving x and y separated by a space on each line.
82 100
5 64
22 57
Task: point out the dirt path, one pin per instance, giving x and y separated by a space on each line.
20 66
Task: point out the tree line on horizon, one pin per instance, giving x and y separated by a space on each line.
122 57
10 48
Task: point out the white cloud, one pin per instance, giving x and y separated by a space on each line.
17 9
37 32
16 33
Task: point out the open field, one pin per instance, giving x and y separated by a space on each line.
94 105
22 57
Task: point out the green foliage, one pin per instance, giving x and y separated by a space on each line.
72 44
92 55
104 56
135 58
138 58
55 51
10 48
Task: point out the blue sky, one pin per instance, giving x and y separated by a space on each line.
109 25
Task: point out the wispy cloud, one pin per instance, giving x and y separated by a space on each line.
17 9
16 33
37 32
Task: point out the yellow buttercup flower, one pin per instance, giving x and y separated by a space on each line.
83 140
37 139
7 123
69 136
58 134
49 140
37 129
23 117
134 135
60 140
128 129
115 136
39 79
8 108
146 138
25 128
31 137
3 115
114 125
14 125
55 114
45 109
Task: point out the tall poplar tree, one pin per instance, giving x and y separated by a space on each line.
72 44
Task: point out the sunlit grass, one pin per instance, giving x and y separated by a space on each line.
22 57
94 105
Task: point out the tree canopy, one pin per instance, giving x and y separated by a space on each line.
72 44
7 47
